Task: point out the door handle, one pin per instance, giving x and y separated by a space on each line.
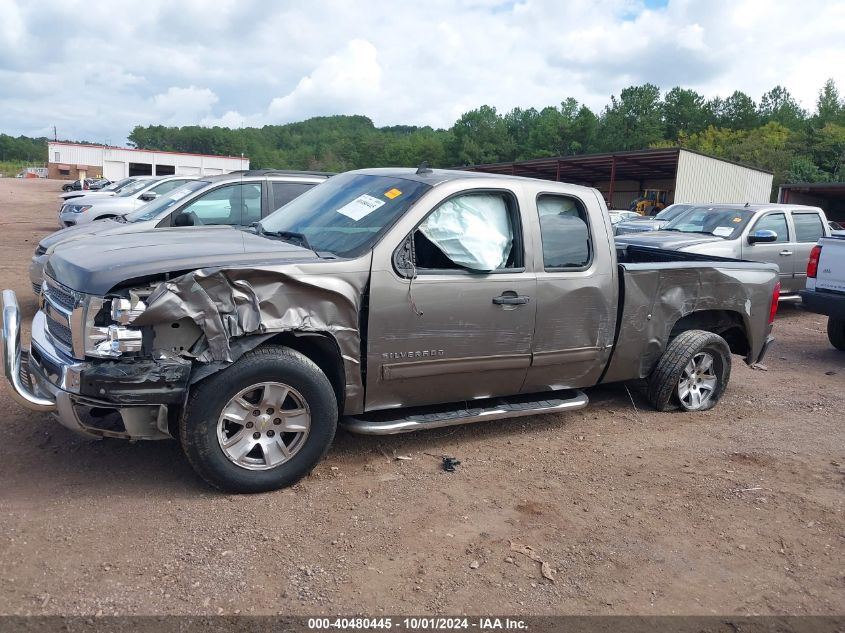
510 298
785 253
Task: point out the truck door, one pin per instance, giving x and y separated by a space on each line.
576 295
451 317
780 252
809 227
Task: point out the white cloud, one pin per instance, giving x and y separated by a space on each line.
251 63
343 82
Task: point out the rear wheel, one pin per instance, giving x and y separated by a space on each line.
692 373
836 332
261 424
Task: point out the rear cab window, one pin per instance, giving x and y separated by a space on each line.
565 233
808 226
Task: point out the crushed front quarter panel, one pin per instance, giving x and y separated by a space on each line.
231 303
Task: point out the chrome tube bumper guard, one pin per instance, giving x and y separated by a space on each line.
12 358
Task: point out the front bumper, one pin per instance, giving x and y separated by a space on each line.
45 379
68 219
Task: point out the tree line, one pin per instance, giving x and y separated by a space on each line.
774 133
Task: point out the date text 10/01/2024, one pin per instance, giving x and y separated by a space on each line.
419 623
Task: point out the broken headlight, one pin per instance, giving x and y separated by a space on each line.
107 334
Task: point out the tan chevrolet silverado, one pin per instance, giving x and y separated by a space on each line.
384 300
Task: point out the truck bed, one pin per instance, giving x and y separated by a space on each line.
658 288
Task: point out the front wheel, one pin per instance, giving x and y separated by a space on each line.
836 333
261 424
692 373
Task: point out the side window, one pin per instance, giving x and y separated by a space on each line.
167 186
238 204
284 192
808 227
473 231
565 232
773 222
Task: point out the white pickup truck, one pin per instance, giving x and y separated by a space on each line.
825 291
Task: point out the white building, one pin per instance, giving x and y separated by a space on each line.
74 160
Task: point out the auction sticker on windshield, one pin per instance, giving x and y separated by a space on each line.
723 231
360 207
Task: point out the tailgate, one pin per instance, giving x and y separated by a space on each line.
831 271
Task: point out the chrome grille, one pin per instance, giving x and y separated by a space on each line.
36 288
59 295
60 305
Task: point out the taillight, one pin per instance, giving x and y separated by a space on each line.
774 309
813 264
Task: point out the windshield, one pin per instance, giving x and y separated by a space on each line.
134 187
153 209
346 214
719 221
672 211
118 185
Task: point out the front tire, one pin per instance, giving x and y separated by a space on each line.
692 373
261 424
836 333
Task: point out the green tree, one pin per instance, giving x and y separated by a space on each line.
684 111
781 107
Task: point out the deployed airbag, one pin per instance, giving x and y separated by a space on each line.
472 230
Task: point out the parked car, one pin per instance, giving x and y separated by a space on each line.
825 291
98 184
617 216
389 300
109 190
78 185
642 224
89 208
782 234
231 199
836 228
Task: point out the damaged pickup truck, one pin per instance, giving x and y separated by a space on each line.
384 300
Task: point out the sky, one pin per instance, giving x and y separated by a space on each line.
95 69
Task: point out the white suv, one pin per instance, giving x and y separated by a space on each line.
89 208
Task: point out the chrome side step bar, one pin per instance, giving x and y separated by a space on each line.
395 421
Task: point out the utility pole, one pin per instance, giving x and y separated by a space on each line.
55 135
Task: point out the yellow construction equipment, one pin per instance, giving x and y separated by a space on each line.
651 202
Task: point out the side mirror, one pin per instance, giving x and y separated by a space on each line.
147 196
403 258
183 219
762 236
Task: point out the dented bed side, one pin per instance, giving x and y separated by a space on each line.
656 296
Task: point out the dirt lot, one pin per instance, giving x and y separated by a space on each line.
738 510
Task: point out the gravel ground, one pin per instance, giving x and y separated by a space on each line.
738 510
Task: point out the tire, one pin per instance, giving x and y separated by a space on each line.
215 417
668 385
836 333
67 188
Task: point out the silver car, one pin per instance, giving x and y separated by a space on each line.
782 234
109 190
89 208
644 223
230 200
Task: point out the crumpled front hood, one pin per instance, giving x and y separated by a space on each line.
668 240
96 265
